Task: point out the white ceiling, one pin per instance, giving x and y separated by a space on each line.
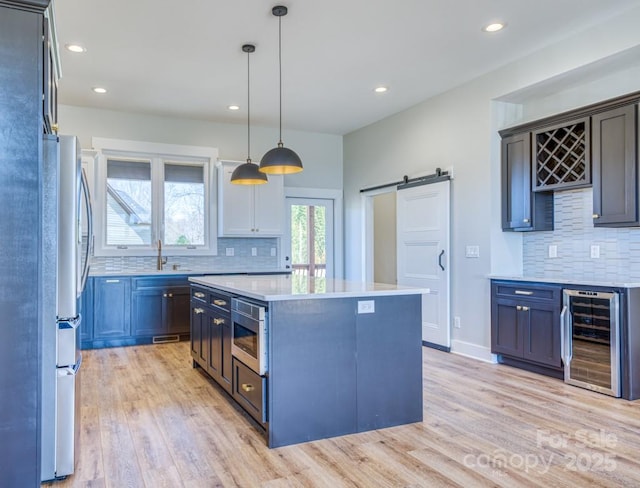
184 59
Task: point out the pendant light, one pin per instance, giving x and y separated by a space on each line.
280 160
248 173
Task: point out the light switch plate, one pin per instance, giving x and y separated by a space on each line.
472 252
553 251
366 306
254 251
595 251
229 251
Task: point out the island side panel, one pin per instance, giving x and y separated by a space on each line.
312 370
389 379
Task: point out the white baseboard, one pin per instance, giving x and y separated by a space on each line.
473 351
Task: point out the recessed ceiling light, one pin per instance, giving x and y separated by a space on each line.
75 48
380 89
233 107
99 89
494 27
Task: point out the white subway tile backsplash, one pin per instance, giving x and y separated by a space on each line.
574 235
241 260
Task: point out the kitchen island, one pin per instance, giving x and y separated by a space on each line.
340 357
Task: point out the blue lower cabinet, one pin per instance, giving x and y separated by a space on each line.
124 310
112 308
86 311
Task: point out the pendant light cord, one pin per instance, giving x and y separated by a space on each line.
280 72
248 108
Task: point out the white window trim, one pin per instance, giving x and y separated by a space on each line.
173 153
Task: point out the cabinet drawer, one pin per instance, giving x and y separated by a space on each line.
199 295
220 301
159 282
526 291
250 391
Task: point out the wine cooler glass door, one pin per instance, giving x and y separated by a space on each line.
591 352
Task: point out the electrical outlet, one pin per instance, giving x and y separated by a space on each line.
230 251
254 251
595 251
472 252
273 251
456 322
366 306
553 251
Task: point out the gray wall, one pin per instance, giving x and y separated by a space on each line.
321 156
459 130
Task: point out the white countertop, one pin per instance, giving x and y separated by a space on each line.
169 271
268 288
569 281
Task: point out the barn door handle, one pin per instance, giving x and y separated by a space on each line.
440 260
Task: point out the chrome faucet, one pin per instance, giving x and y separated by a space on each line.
161 262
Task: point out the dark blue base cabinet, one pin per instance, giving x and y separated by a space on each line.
331 371
124 310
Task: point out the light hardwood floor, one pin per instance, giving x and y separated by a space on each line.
150 420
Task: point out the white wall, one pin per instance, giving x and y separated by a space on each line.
459 129
321 154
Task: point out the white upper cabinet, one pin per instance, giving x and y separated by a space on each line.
249 210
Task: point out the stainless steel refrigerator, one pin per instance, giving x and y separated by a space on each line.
65 270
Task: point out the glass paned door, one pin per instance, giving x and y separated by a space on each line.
309 247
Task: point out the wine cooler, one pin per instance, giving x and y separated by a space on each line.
591 340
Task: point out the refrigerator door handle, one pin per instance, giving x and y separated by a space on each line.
90 237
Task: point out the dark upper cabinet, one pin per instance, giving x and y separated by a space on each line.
522 209
615 168
111 313
525 325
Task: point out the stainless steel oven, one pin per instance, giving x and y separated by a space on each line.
249 335
591 340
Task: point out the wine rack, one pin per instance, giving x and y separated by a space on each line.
561 156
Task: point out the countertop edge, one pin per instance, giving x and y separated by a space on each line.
187 272
567 281
282 297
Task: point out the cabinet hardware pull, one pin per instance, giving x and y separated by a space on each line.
113 281
596 216
218 321
164 295
247 387
526 221
522 292
525 309
198 294
170 295
518 307
220 303
198 310
440 260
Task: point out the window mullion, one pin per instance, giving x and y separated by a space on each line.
158 199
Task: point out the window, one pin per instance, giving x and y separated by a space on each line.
183 205
148 192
